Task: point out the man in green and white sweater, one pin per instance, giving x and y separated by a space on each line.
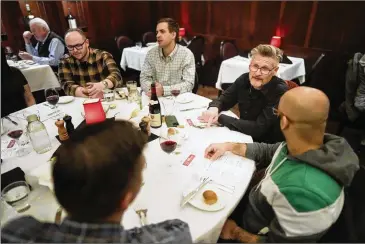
302 192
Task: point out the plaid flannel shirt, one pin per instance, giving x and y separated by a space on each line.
99 66
174 71
28 229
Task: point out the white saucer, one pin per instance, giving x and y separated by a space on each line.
66 99
184 98
198 200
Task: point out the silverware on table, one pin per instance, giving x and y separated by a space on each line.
192 194
12 121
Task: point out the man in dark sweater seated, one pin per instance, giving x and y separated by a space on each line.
256 93
50 47
97 174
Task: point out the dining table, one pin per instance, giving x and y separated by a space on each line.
167 177
39 76
133 57
234 67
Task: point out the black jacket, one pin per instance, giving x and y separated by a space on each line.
255 106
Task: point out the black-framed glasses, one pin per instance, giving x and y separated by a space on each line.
77 46
264 70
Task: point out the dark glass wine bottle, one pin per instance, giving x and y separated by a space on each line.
71 20
155 108
28 17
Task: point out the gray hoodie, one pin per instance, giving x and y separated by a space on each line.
300 197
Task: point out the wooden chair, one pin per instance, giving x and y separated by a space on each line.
228 50
148 37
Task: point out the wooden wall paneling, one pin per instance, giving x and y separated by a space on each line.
328 25
169 9
55 16
195 17
35 7
267 20
294 22
12 18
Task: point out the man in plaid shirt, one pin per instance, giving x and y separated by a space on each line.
170 65
87 71
97 174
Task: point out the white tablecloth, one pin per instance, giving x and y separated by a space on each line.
162 192
39 77
133 57
234 67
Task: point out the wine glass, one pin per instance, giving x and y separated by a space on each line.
52 97
168 141
15 131
175 92
139 45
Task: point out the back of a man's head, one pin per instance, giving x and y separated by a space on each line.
97 167
304 112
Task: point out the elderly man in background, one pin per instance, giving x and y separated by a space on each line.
256 93
170 65
302 194
49 48
86 72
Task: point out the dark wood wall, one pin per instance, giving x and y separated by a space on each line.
305 26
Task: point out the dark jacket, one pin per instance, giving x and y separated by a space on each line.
255 106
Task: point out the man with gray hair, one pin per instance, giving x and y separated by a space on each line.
256 93
49 48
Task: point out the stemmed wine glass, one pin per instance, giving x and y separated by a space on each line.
15 131
175 92
168 141
52 97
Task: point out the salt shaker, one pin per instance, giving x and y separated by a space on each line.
69 126
62 132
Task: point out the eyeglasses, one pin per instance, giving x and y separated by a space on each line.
280 114
263 70
77 46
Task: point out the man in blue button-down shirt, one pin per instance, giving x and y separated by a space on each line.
49 48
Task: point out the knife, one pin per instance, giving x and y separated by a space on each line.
12 121
192 194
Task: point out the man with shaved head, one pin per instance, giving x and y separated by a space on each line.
301 194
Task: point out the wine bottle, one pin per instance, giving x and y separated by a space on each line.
28 17
155 108
71 20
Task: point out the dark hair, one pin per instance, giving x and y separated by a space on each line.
172 25
95 167
77 30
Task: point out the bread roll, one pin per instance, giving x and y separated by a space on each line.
210 197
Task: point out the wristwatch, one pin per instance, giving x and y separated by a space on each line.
105 83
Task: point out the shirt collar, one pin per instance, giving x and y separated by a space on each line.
171 55
44 40
72 224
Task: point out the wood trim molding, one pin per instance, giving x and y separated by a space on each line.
310 24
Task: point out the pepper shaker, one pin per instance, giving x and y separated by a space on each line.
62 132
69 126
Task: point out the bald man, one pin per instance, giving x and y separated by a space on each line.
86 72
301 195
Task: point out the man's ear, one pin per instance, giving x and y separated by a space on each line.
126 200
284 123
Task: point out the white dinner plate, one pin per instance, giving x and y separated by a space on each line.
184 98
198 200
66 99
30 62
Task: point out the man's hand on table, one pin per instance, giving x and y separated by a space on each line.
25 56
94 89
210 116
216 150
81 92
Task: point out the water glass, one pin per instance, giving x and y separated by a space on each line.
139 45
16 195
108 95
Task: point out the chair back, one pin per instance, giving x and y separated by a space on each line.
148 37
196 83
123 42
197 48
228 50
291 84
314 67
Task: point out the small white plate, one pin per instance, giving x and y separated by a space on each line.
66 99
198 200
184 99
29 62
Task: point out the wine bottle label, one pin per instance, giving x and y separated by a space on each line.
152 102
155 120
72 23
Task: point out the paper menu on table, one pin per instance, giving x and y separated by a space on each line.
44 110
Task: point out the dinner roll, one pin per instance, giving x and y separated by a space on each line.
210 197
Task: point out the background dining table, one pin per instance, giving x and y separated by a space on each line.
234 67
133 57
166 177
39 76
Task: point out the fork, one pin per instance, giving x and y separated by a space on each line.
142 214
